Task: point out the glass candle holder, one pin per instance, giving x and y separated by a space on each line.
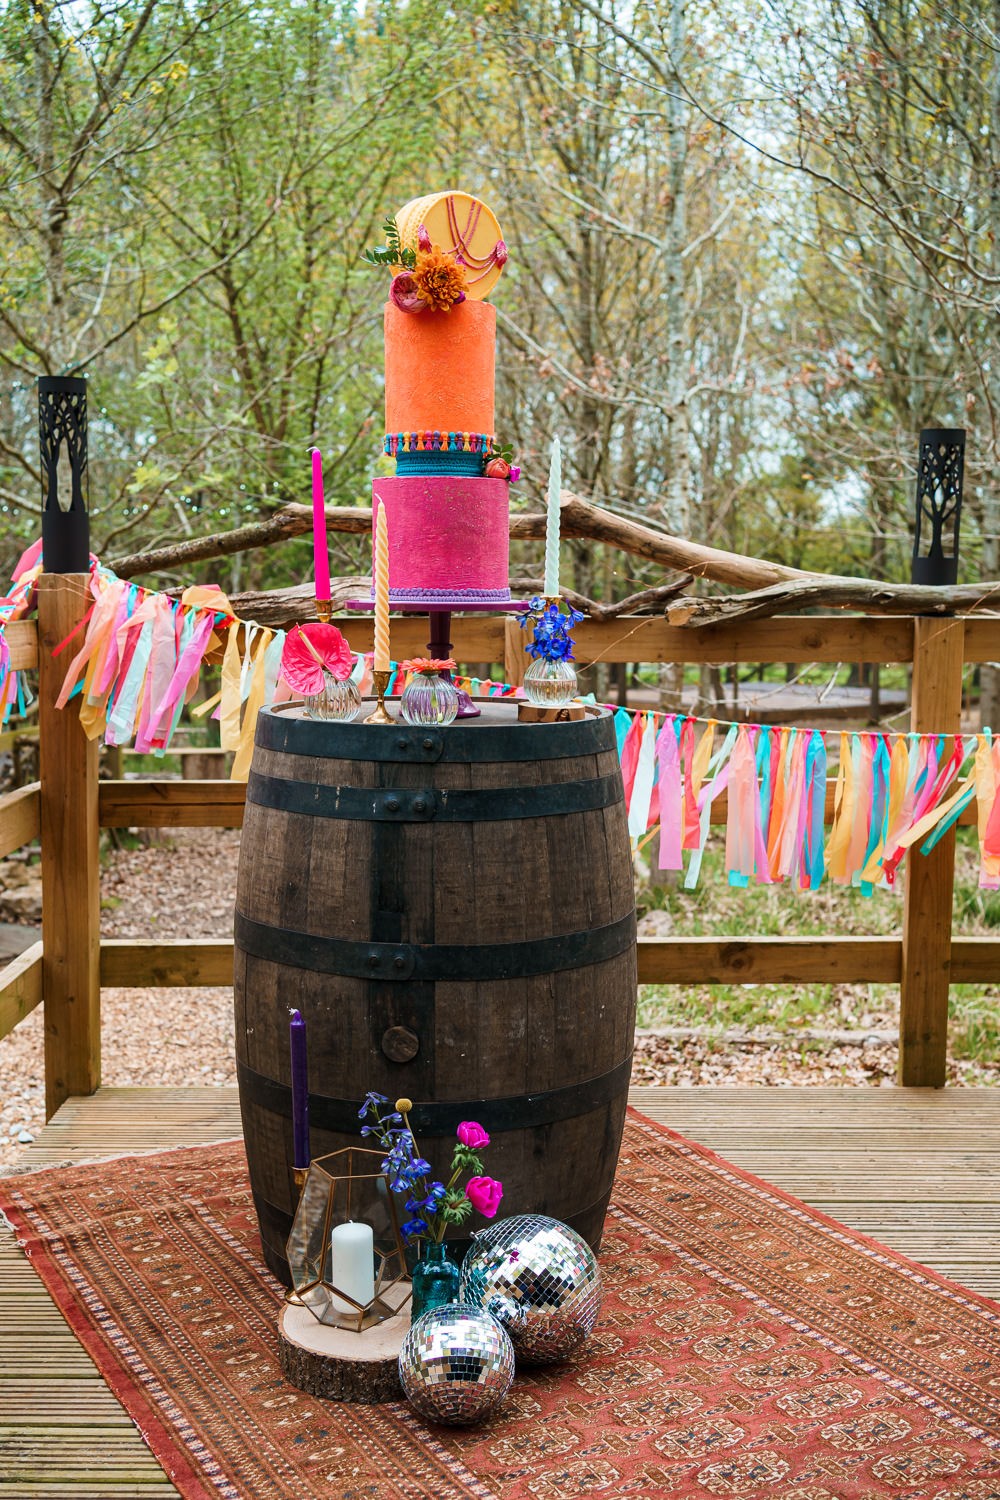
345 1250
338 700
429 698
549 684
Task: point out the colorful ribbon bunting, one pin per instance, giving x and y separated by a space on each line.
135 661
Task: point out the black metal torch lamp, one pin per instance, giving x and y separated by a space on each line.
62 425
940 471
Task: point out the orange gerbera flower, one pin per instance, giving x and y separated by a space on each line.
427 664
439 279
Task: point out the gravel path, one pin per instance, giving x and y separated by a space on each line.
184 1036
166 1037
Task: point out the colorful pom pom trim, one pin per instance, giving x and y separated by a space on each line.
437 442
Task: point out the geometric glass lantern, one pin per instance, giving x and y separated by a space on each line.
940 470
345 1251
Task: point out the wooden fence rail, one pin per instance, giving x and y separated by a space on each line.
68 807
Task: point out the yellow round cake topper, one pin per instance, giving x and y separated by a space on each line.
458 224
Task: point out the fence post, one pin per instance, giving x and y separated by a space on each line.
938 653
515 658
71 908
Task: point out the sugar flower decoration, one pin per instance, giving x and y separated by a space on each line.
439 279
310 651
403 292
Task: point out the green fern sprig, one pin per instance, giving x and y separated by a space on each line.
392 253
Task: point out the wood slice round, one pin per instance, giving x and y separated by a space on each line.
563 713
336 1362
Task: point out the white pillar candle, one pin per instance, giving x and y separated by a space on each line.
352 1269
552 522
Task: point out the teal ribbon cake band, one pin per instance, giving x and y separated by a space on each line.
439 463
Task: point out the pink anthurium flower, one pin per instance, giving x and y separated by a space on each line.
311 650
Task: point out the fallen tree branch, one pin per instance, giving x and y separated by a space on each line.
773 588
279 608
291 520
647 601
840 593
579 519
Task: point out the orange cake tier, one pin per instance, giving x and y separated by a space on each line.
439 369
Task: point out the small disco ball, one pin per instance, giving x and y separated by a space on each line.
456 1365
540 1279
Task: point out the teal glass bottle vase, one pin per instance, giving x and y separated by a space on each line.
435 1280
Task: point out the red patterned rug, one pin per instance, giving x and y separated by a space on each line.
748 1346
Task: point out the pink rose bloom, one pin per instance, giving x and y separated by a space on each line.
500 253
484 1193
472 1135
403 292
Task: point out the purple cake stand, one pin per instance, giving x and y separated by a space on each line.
439 644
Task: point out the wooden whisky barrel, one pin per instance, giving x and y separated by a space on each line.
453 912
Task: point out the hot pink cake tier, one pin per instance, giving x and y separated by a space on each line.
445 530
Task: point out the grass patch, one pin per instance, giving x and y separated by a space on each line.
786 1008
715 908
974 1023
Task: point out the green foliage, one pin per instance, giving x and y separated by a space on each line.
392 253
499 449
205 273
456 1207
713 908
183 188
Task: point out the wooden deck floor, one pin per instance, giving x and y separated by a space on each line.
918 1169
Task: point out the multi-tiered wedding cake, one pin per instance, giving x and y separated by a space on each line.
446 506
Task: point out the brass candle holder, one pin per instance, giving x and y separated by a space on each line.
381 714
324 610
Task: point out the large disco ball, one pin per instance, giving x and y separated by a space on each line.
540 1279
456 1365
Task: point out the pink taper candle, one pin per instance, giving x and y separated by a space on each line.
322 556
381 660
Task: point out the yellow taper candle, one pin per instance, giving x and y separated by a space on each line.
381 661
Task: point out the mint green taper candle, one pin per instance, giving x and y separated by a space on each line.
552 523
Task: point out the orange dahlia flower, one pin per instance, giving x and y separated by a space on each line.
439 278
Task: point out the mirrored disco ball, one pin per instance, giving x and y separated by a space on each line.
540 1279
456 1365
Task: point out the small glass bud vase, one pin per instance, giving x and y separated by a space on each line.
429 698
549 684
435 1279
338 700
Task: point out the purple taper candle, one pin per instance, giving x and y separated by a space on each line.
300 1090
